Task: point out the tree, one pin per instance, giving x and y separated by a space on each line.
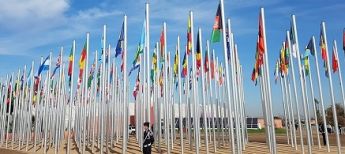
340 114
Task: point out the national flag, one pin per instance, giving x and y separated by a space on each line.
44 66
323 51
335 61
310 47
136 87
261 42
154 65
70 63
57 65
92 70
176 64
184 66
189 37
276 72
221 75
206 63
198 53
293 41
119 46
282 62
212 67
287 54
217 26
162 44
227 37
136 64
82 63
306 65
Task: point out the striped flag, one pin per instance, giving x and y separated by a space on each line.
82 63
323 51
217 26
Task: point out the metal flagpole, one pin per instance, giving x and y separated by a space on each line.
291 121
321 95
268 83
284 106
194 84
314 108
335 49
180 95
203 94
292 115
301 76
147 42
103 101
29 122
307 105
296 96
211 102
227 74
71 101
125 128
335 118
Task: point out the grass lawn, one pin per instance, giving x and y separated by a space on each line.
258 131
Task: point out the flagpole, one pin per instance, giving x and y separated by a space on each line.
268 83
29 123
290 114
331 91
180 95
147 42
295 94
339 69
302 75
125 128
314 108
203 94
284 106
210 89
227 81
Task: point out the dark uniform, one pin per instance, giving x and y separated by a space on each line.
148 141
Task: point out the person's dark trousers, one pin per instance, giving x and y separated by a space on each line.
324 138
147 150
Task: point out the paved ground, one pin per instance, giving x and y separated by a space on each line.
256 145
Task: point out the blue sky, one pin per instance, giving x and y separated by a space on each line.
30 29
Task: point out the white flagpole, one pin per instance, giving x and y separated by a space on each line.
284 107
213 103
180 95
339 69
268 84
125 128
85 102
321 95
227 74
314 108
290 124
203 94
301 76
148 92
296 96
71 101
29 123
335 118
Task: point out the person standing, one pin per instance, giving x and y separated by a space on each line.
323 132
148 139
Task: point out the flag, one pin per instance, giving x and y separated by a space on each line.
136 87
44 66
176 64
57 65
82 63
162 44
136 64
335 63
287 54
70 63
212 67
227 37
198 53
323 51
261 42
282 62
276 72
92 70
217 26
206 68
154 64
184 66
293 41
189 37
221 79
306 65
310 47
119 46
